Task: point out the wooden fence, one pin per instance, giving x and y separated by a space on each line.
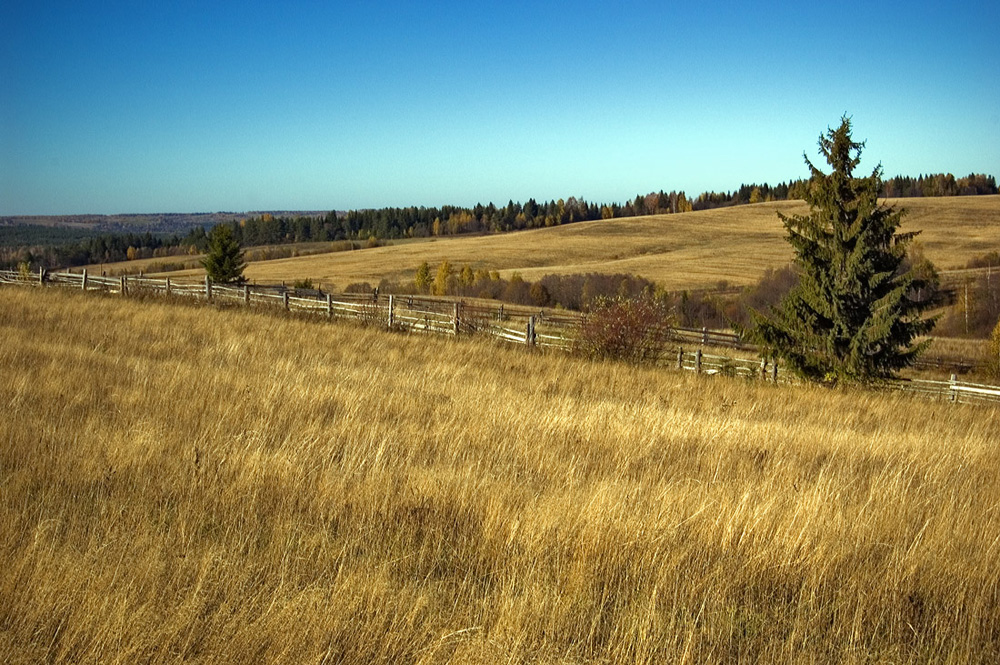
952 391
515 324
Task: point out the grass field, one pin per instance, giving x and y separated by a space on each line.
685 251
173 265
180 482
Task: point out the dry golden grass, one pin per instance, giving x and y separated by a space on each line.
686 251
179 482
955 348
173 265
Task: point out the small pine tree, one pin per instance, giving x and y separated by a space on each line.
224 262
853 315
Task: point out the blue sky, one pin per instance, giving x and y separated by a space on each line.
109 107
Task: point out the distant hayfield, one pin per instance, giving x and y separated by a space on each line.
684 251
179 482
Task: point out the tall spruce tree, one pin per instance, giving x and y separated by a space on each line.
224 262
853 315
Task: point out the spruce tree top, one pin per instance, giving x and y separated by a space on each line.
852 315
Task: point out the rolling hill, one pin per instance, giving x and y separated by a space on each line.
683 251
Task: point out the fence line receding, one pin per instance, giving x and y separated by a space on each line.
514 324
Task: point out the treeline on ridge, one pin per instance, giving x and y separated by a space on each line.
40 247
92 249
390 223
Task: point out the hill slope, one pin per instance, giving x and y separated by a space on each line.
689 250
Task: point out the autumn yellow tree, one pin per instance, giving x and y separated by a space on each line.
441 279
467 277
423 278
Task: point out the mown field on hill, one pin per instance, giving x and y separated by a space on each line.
683 251
182 482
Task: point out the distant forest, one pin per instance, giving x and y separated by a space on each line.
47 247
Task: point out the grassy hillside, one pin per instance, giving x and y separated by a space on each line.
690 250
180 482
190 264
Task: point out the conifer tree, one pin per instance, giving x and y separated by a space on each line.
224 262
853 315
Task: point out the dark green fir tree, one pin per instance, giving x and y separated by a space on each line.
853 315
224 262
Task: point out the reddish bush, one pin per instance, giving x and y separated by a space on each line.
634 330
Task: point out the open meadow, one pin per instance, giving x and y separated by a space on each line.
684 251
184 482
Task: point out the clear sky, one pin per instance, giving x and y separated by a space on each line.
174 106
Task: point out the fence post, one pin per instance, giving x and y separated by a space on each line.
208 288
704 336
763 368
697 361
953 394
680 357
456 318
500 313
122 286
246 294
41 275
529 338
168 286
774 371
84 279
392 311
329 305
284 298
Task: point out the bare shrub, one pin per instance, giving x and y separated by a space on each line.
370 314
358 287
976 308
993 362
634 330
477 321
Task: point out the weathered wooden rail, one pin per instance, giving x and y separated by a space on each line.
952 391
508 323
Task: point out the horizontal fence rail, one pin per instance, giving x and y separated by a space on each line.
508 323
952 391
